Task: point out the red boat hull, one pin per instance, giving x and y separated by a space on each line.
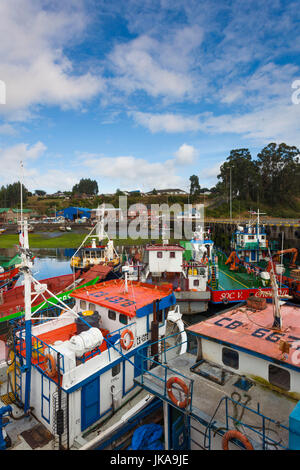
240 295
13 300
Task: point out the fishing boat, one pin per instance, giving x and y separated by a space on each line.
97 252
9 272
240 389
73 371
163 264
252 250
250 242
231 278
287 271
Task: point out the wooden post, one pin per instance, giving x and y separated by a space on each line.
154 334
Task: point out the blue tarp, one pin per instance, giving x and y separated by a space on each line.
147 437
72 213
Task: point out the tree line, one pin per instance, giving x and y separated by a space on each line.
272 178
10 195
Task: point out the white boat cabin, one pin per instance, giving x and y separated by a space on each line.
91 357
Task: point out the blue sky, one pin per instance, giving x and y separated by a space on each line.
141 95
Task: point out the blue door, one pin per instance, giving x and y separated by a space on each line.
90 403
180 438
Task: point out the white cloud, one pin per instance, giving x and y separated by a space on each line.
186 154
160 67
131 172
11 158
33 65
278 123
7 129
166 122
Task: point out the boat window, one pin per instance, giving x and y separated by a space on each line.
230 358
112 314
159 254
92 307
116 369
196 282
172 254
123 319
279 377
83 304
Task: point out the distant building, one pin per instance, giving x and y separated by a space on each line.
8 215
167 192
137 192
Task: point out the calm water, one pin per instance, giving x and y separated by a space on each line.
48 262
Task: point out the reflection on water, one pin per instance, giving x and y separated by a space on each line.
51 262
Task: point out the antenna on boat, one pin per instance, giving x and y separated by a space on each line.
125 270
277 323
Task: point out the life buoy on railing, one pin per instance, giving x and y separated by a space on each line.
182 384
50 370
123 345
233 434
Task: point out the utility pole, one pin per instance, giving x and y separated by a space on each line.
230 196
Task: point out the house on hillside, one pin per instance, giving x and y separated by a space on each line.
167 192
11 216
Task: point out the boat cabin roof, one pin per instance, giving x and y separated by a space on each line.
164 248
245 329
138 301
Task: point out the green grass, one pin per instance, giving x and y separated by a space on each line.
66 240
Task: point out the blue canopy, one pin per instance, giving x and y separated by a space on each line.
72 213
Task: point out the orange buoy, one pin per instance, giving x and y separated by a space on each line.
182 384
128 346
50 370
233 434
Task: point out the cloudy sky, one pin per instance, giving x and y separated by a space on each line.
143 94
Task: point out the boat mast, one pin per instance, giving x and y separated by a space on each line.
25 268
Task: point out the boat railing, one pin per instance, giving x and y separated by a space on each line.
265 433
40 350
155 372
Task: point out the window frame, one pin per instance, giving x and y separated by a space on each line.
283 372
233 352
109 313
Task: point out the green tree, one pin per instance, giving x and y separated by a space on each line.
10 195
243 174
86 186
119 192
278 170
40 192
194 187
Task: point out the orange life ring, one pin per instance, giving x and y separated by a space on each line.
123 345
182 384
233 434
51 371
